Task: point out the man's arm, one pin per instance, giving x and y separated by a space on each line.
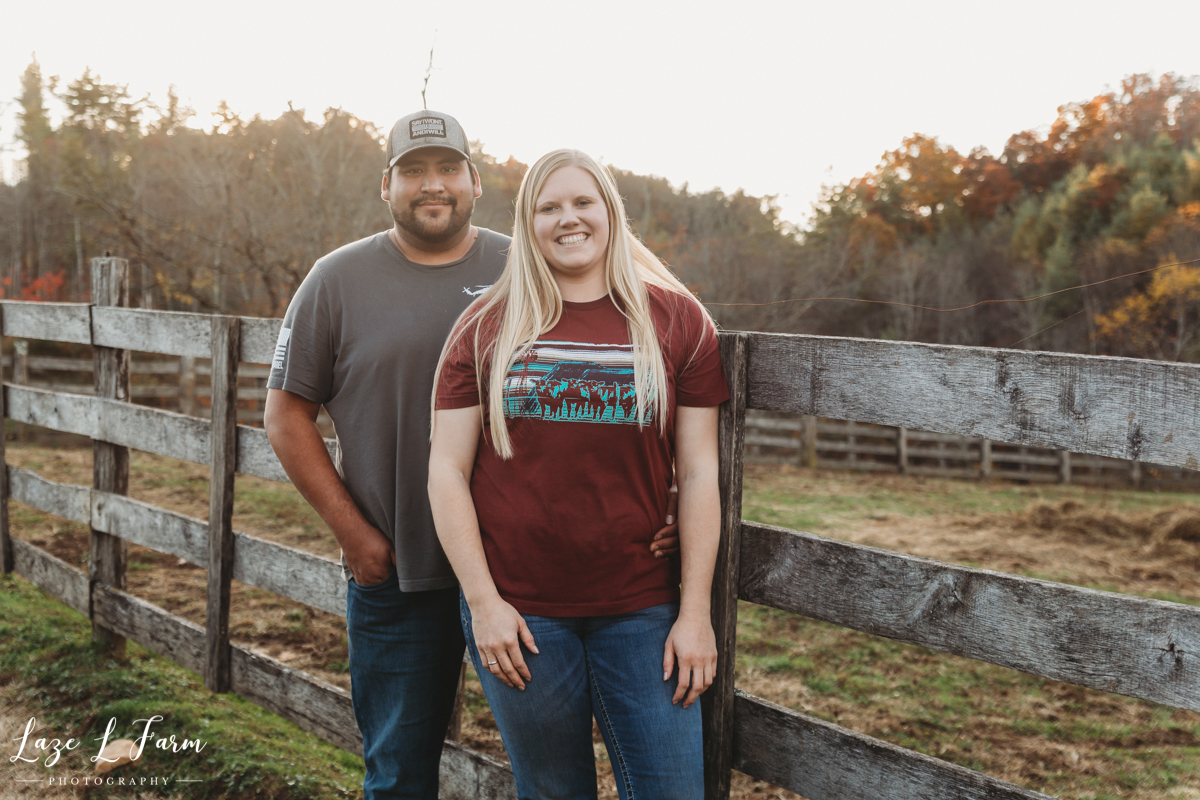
291 423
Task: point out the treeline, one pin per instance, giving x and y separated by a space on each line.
230 218
1112 188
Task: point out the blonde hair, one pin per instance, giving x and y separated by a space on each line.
525 301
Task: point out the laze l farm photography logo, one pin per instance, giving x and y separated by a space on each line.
104 760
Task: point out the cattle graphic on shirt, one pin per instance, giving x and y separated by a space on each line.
574 382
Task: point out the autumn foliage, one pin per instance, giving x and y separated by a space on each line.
230 216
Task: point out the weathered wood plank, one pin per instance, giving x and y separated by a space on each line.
110 461
59 364
60 499
59 322
259 336
255 455
1032 459
174 333
223 438
1117 643
146 525
292 573
468 775
823 761
1122 407
771 441
151 627
859 449
154 430
854 429
68 584
858 466
286 571
313 704
149 429
717 706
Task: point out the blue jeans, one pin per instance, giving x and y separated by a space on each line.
405 655
609 668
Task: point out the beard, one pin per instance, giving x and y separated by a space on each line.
430 231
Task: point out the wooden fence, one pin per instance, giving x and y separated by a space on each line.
181 384
774 438
1119 408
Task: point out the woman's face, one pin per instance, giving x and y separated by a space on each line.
570 224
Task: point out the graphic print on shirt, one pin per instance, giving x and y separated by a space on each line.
574 382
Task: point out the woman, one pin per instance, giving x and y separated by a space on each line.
562 399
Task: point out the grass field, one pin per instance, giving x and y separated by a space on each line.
1052 737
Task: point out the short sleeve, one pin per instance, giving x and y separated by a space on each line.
457 386
305 351
700 381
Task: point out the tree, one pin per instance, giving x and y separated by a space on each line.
1160 322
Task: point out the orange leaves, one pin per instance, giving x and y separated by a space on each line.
1158 322
47 288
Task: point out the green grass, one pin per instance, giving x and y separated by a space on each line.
971 713
52 668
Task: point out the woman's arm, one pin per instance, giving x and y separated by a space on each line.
692 642
499 629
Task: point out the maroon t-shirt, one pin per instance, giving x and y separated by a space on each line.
567 521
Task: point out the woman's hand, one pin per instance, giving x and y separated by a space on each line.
693 645
499 631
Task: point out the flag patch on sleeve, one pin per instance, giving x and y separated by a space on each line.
281 346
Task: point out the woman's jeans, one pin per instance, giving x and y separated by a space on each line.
610 668
405 656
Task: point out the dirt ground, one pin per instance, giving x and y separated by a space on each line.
1085 538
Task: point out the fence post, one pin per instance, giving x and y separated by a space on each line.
1064 466
1135 474
6 553
808 442
110 462
20 376
226 342
187 385
717 704
985 459
902 450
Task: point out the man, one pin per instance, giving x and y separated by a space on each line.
362 337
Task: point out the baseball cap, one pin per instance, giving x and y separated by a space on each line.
425 129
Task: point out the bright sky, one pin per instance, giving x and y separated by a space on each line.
773 97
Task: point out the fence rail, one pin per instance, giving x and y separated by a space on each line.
1110 408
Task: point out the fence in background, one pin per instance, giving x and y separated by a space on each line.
1117 408
180 384
773 438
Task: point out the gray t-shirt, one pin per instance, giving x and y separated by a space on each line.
362 337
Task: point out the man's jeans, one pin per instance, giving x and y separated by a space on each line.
610 668
405 655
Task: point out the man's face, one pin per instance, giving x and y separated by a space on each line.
431 193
